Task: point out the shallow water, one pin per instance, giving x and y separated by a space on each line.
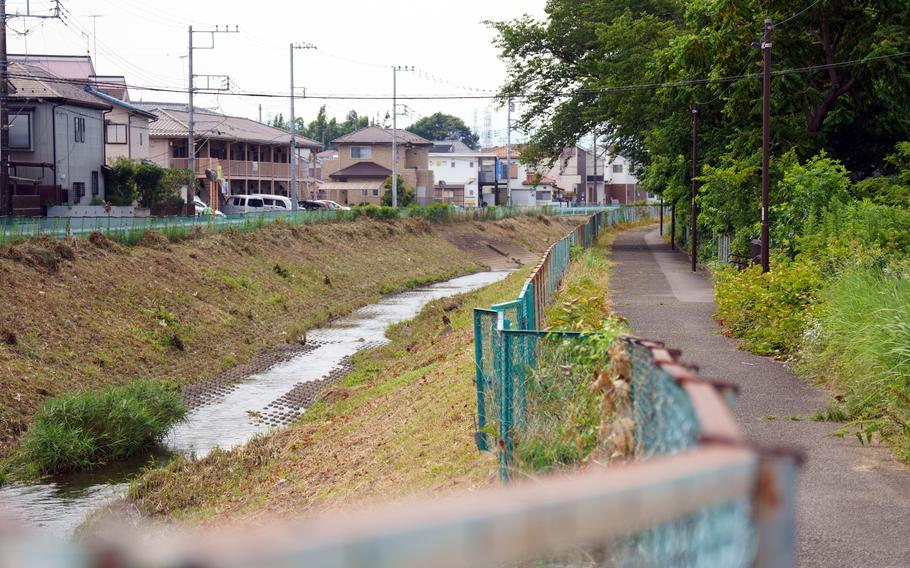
58 506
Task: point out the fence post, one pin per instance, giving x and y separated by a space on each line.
480 379
505 406
776 510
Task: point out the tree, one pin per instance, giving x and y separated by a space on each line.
441 126
324 130
406 195
574 72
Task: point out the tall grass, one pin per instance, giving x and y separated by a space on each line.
860 344
80 431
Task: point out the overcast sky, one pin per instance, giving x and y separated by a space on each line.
357 41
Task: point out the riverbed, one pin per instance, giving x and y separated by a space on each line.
260 403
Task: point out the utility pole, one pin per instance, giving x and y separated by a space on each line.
694 220
6 196
293 159
6 199
661 215
191 88
673 225
94 18
766 149
509 152
395 70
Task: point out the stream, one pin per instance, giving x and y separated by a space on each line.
255 405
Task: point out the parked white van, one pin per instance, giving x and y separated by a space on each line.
256 203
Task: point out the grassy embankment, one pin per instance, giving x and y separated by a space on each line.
400 423
89 313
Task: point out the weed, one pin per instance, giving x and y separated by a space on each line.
80 431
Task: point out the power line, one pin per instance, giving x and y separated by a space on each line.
796 15
614 89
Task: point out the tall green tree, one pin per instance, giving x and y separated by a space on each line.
632 70
441 126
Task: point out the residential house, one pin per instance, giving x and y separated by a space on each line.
456 170
249 156
603 179
527 187
56 139
126 128
620 183
365 163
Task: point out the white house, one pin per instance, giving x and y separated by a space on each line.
456 171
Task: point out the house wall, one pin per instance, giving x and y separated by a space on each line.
138 145
77 160
53 127
160 151
42 142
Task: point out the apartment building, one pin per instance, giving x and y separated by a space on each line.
248 156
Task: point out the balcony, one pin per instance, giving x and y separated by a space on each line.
242 169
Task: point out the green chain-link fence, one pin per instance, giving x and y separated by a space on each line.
538 407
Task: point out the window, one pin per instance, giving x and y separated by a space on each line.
257 203
470 164
142 138
96 187
79 189
375 193
453 164
361 152
20 131
268 201
79 130
617 168
115 134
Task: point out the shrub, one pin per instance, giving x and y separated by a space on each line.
860 344
80 431
378 212
434 212
768 311
406 195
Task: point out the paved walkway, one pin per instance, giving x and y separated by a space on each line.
854 501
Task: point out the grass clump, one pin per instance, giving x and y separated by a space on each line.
860 345
84 430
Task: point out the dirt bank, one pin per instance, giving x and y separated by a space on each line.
88 312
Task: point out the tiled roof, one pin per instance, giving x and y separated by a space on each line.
450 147
172 123
500 152
32 82
363 169
378 135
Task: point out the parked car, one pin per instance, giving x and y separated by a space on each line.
256 203
334 206
310 205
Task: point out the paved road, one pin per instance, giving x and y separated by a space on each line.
854 501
